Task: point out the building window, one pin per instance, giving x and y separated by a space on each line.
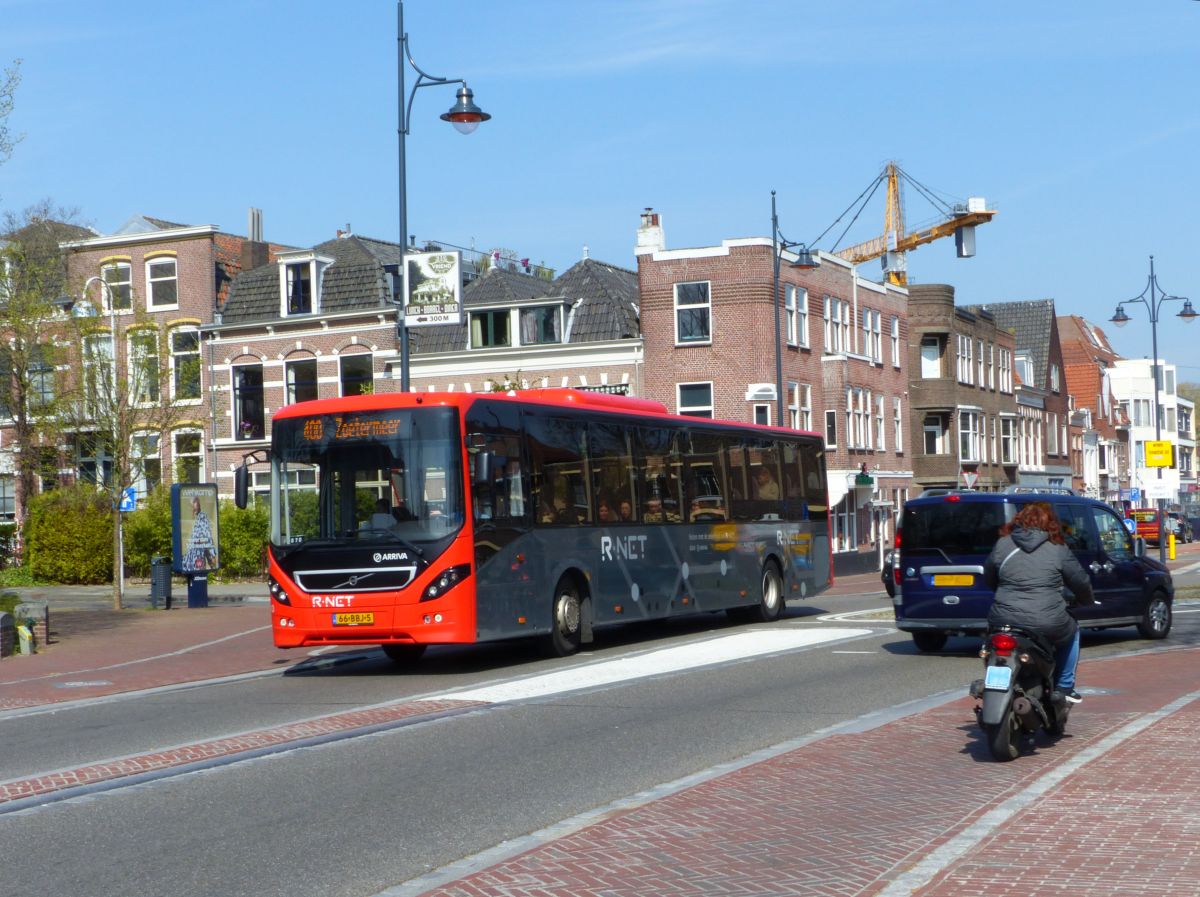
1055 381
1008 440
931 357
357 375
789 312
489 329
969 436
143 372
185 364
880 431
1052 434
248 409
41 380
1006 380
301 377
991 366
693 313
837 326
897 425
146 455
800 406
965 371
831 429
162 285
694 399
796 303
97 373
8 497
1025 370
93 459
981 377
299 288
541 325
895 341
118 278
934 429
762 414
188 457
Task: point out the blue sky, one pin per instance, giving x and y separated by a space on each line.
1078 121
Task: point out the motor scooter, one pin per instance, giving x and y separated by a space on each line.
1016 694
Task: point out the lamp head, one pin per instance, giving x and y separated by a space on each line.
465 115
1188 314
806 259
1120 318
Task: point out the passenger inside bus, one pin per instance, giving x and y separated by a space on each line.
605 511
626 511
765 485
381 518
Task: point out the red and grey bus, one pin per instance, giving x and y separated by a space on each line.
413 519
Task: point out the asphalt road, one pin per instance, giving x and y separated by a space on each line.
360 814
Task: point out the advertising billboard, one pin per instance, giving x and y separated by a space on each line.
195 546
432 288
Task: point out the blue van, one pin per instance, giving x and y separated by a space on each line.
945 539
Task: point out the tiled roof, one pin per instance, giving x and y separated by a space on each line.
602 304
355 280
1031 322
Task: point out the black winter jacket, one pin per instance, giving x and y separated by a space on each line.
1028 572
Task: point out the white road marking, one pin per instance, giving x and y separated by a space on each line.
654 663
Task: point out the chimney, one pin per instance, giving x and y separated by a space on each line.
650 234
254 250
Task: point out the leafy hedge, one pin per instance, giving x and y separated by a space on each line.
69 536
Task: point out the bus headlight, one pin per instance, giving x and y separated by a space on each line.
445 581
277 591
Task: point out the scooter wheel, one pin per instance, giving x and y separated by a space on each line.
1002 738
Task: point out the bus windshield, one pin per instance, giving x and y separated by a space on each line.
386 476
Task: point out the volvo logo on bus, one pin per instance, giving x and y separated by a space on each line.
379 557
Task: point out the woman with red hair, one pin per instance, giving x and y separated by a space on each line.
1027 569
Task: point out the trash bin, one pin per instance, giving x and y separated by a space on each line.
160 581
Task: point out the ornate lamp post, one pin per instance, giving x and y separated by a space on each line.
464 115
805 261
1153 297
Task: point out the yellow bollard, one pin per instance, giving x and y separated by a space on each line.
1170 546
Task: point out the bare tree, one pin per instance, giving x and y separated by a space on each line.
32 277
117 400
8 90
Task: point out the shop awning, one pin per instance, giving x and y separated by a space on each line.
839 484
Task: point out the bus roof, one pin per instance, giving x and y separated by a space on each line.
565 397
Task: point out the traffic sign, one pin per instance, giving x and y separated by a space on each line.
1131 525
970 478
129 499
1159 453
1135 494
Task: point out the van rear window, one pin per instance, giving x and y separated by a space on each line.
953 527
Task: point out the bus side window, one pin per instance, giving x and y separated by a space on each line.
558 467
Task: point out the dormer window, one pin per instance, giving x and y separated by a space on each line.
300 282
534 325
541 325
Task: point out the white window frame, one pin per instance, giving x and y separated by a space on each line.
761 414
895 341
1009 439
931 366
153 280
705 410
938 429
706 305
981 367
176 454
117 290
880 430
802 317
138 456
173 362
316 265
837 326
830 428
145 386
969 436
289 378
790 315
898 424
1006 370
806 420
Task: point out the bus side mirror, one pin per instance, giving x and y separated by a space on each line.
484 461
241 486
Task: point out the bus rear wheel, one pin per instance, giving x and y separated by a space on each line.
402 654
566 617
771 601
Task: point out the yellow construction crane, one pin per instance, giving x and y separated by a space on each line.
959 220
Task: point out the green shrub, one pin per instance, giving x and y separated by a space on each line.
69 536
243 535
148 532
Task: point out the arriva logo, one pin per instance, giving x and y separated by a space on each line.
380 556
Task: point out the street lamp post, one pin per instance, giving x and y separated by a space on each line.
805 261
1156 298
67 303
464 115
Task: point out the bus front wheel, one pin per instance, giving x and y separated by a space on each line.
565 619
402 654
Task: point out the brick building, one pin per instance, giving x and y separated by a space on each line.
964 421
1042 443
708 322
166 282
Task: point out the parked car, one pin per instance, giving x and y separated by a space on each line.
947 538
1181 525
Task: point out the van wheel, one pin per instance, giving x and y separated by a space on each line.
403 654
929 641
565 620
1156 622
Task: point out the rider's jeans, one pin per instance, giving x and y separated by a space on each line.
1066 658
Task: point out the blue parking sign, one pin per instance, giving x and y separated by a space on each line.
129 499
1135 494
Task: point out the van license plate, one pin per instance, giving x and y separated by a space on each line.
997 678
353 619
953 579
